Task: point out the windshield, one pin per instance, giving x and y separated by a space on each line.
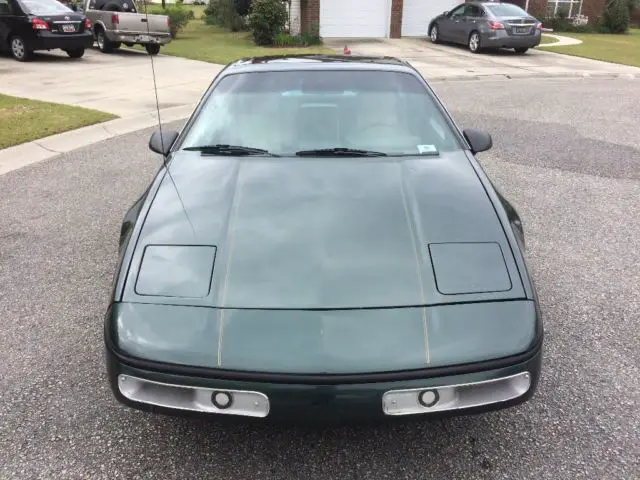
44 7
506 10
293 111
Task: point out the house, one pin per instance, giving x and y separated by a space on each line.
406 18
367 18
572 8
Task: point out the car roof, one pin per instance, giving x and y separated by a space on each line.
318 62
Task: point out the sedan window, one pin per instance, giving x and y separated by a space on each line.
5 8
506 10
44 7
290 111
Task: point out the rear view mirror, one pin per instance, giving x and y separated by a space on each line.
479 141
161 142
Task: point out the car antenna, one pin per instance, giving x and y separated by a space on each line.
155 91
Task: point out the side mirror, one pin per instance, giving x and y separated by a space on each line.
446 12
161 142
478 140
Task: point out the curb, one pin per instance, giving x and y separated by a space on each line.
515 76
19 156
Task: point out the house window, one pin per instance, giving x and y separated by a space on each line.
565 8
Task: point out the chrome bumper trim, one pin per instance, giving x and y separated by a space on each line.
196 399
455 397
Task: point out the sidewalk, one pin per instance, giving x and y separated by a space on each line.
19 156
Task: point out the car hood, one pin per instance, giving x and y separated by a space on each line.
321 233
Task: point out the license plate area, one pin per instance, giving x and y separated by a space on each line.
521 30
144 39
68 28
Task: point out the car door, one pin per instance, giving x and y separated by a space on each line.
470 21
5 20
446 25
457 28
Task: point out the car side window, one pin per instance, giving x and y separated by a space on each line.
5 8
474 11
458 11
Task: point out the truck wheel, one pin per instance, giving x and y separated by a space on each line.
103 43
152 48
75 52
19 49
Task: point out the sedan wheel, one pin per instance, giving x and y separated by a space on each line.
75 52
434 34
19 49
474 42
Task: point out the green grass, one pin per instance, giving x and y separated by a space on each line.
198 41
623 48
23 120
546 40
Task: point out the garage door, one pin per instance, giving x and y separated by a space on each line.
417 14
354 18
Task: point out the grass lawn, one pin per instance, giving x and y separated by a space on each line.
199 41
23 120
545 40
623 48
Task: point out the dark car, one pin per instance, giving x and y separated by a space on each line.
487 25
30 25
322 242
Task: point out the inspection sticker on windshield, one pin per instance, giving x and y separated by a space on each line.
427 149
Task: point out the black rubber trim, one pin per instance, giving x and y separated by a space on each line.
315 379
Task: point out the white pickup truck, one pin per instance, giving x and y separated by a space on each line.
117 22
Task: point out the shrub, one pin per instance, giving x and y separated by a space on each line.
242 7
563 24
178 15
267 18
312 37
223 14
616 16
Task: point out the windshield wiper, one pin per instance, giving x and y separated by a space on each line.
223 149
331 152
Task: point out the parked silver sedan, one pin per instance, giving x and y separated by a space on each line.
487 25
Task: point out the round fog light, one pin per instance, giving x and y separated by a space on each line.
221 400
428 398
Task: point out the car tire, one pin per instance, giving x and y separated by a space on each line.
19 49
75 52
520 51
152 48
104 45
434 34
474 42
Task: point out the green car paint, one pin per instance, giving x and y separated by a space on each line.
333 342
256 272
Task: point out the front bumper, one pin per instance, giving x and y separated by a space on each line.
163 390
51 41
501 39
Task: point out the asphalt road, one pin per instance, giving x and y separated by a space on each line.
567 152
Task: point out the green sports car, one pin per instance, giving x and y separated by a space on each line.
320 241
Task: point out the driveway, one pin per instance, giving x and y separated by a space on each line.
450 61
119 83
572 168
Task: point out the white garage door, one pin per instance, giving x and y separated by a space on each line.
354 18
417 14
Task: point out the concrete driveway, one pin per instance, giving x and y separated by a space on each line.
437 62
119 83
